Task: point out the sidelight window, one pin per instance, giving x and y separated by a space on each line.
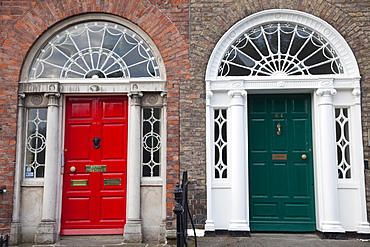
151 142
220 143
35 143
343 143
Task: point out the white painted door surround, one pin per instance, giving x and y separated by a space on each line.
336 113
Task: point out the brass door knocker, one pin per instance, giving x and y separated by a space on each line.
278 129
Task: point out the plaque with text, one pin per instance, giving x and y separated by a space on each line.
100 168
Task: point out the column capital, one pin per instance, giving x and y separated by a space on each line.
53 98
53 94
209 95
237 93
356 93
21 97
135 97
237 97
326 92
164 96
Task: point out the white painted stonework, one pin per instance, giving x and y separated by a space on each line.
340 204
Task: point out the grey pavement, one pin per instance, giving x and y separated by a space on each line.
256 239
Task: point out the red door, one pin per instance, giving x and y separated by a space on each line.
94 182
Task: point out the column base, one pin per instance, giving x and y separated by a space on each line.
239 226
363 228
332 226
46 233
133 232
209 226
15 233
162 233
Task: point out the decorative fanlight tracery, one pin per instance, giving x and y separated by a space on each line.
279 49
95 50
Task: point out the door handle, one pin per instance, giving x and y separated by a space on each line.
304 156
72 169
278 126
96 142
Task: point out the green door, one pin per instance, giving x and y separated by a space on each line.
280 163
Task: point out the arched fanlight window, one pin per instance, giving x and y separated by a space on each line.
280 49
95 49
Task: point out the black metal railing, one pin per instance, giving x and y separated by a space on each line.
4 241
182 212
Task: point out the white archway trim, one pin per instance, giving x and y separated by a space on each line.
284 15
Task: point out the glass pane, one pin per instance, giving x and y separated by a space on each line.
95 50
35 143
220 143
343 143
151 142
280 49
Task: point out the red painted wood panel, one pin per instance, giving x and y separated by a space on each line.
95 202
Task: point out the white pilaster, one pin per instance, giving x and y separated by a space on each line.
330 221
210 225
237 142
15 230
363 224
133 227
47 231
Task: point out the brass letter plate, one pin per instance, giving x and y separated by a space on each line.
102 168
279 156
112 181
79 182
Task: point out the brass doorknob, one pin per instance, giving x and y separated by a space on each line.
304 156
72 169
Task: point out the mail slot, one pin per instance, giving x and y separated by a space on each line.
100 168
279 156
112 181
79 182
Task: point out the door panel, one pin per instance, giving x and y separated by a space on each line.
280 180
94 194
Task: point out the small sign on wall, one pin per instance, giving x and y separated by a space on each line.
29 172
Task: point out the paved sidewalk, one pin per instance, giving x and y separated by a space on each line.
256 240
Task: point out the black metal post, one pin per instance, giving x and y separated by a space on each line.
179 211
4 241
182 212
185 206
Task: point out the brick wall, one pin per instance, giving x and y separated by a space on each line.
176 26
22 22
210 19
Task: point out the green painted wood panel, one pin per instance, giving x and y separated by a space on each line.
280 181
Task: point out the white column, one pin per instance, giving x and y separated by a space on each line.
210 225
15 230
133 227
327 165
47 230
162 238
358 161
237 149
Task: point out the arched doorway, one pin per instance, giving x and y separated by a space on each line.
265 71
93 87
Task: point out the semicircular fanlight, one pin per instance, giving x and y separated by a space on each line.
278 49
95 50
